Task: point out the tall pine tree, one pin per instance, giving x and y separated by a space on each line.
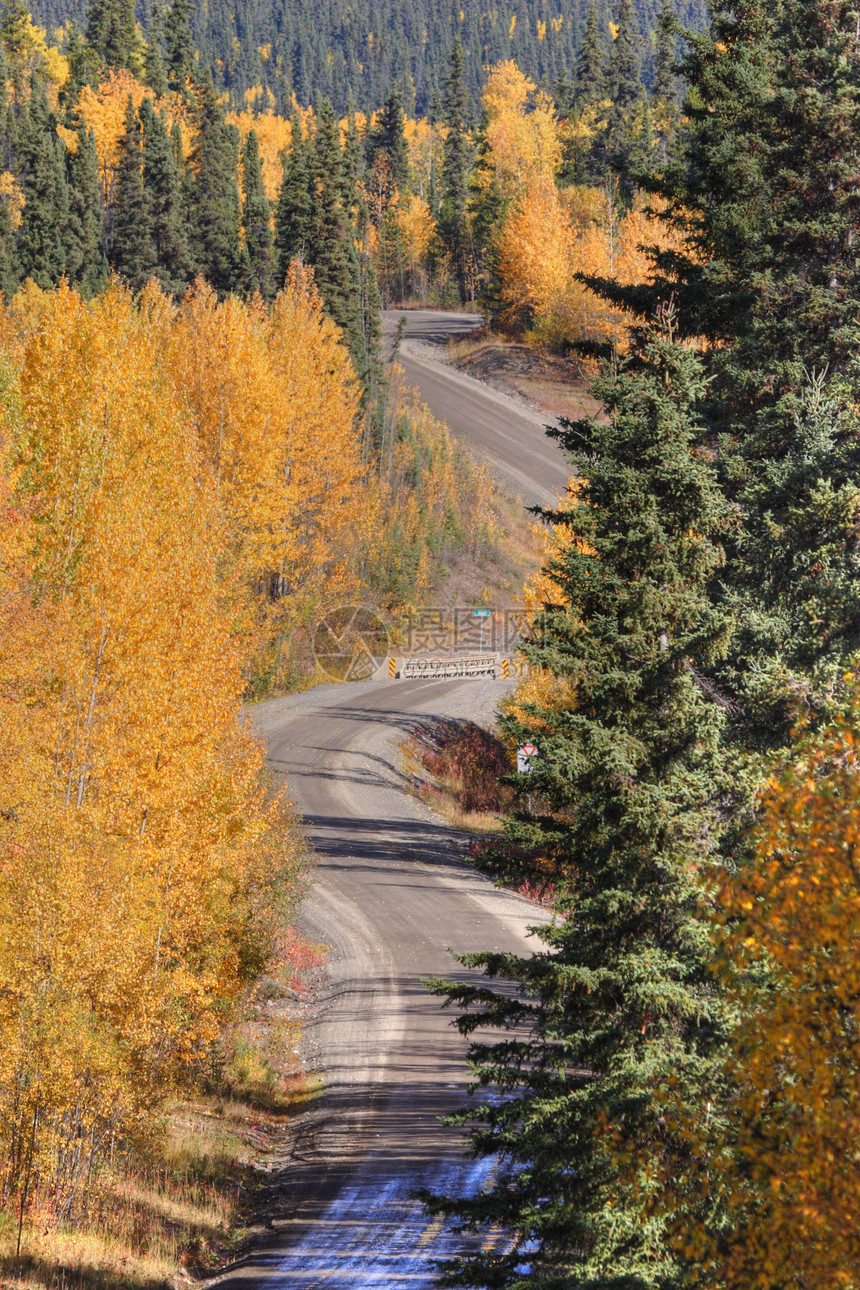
451 224
293 210
216 216
45 218
179 54
111 32
164 203
766 208
154 69
132 251
86 261
590 82
621 1005
389 138
331 247
256 214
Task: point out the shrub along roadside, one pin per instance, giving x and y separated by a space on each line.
456 767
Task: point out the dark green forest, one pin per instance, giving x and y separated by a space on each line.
358 51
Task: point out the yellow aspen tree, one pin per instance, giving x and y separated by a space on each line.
793 1175
521 130
124 877
534 260
274 403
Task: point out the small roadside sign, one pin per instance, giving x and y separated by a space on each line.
482 614
525 753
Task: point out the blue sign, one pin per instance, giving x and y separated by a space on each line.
482 613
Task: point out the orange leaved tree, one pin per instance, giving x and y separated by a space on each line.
133 826
793 1175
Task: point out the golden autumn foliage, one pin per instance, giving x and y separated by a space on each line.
549 238
274 403
794 1175
161 465
182 487
521 130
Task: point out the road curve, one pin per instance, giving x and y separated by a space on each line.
390 895
506 434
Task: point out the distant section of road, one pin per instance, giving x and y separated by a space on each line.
506 434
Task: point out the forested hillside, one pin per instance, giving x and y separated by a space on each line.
359 51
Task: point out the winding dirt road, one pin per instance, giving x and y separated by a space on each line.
505 433
391 895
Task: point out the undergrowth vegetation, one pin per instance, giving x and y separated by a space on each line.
457 768
463 770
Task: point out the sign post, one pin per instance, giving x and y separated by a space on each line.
525 753
482 614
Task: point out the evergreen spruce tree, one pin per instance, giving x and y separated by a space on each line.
590 76
86 261
154 69
664 105
164 203
44 220
625 64
388 137
623 145
132 251
8 266
256 213
84 65
8 132
330 247
665 78
112 33
767 202
451 225
179 55
622 1004
769 208
8 124
371 371
351 166
293 210
216 215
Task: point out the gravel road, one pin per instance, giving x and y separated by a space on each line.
390 895
505 433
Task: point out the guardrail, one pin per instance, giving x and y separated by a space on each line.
442 667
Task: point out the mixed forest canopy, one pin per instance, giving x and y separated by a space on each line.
201 445
121 156
357 53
